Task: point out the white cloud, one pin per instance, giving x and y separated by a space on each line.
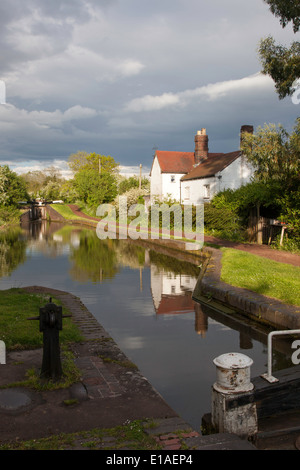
153 103
211 92
16 118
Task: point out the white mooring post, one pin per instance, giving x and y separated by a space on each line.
2 353
233 381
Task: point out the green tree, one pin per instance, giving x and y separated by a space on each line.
99 163
287 10
282 64
94 188
37 182
12 187
126 184
274 153
95 177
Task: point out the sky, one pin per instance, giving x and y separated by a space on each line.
126 77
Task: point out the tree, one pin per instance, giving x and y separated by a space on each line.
95 177
12 187
274 153
286 10
99 163
37 181
94 188
282 64
275 156
126 184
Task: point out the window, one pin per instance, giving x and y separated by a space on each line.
172 178
187 192
207 191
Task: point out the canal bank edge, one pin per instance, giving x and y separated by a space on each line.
209 287
255 306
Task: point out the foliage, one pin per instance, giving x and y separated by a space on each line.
12 187
93 258
247 197
68 192
12 251
223 222
126 184
286 10
9 215
280 63
95 179
273 152
134 196
45 184
99 163
94 188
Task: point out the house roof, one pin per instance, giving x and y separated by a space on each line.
184 163
175 162
215 162
177 304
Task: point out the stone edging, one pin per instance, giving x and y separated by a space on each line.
256 306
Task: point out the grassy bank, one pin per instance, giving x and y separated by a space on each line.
66 212
17 331
267 277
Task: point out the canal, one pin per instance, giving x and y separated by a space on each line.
143 298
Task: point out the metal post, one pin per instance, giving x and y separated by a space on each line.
268 376
50 319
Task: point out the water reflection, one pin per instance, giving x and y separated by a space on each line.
12 251
143 298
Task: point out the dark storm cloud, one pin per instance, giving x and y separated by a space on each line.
120 77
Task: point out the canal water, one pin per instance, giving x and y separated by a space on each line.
143 298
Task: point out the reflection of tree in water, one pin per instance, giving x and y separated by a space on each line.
173 265
96 260
12 251
129 254
93 260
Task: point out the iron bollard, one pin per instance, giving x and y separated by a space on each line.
50 319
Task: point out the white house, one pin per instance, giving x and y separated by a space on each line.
195 177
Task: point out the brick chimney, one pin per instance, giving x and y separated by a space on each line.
201 146
245 129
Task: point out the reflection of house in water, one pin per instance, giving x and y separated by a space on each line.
172 294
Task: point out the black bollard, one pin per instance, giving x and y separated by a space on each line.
50 325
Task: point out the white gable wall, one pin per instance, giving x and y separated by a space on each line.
194 192
155 181
236 174
202 190
171 185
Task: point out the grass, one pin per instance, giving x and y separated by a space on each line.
267 277
131 434
16 306
66 212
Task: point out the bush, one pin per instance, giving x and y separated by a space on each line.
223 222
